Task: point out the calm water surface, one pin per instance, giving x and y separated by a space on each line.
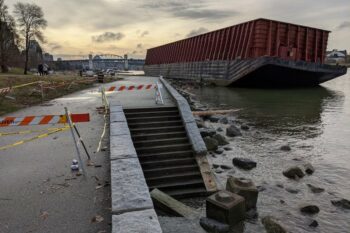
315 122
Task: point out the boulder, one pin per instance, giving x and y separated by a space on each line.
315 189
343 203
215 118
309 169
211 225
226 167
313 223
211 143
224 120
219 151
244 163
294 173
221 139
207 132
219 129
310 209
292 190
200 124
216 165
244 127
285 148
233 131
227 148
272 225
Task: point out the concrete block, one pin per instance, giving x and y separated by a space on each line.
119 128
226 207
145 221
245 188
185 111
196 139
115 108
129 190
122 147
117 117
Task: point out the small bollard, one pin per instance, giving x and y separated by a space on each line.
245 188
226 207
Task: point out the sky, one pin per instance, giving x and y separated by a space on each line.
79 27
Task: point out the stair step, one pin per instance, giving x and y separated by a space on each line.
167 186
150 173
173 178
165 155
157 130
161 109
187 192
169 162
153 119
161 142
150 114
154 124
154 136
166 148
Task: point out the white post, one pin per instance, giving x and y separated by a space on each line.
76 142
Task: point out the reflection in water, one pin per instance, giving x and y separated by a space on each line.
276 110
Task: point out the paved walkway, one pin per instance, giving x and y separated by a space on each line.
37 191
138 99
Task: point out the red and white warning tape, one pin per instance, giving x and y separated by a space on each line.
42 120
5 90
132 87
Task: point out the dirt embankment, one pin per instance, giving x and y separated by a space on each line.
28 90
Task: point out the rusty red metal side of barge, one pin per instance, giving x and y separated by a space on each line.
253 39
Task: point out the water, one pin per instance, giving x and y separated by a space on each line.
315 122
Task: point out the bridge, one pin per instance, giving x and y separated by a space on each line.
98 62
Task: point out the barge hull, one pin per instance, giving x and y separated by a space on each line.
261 72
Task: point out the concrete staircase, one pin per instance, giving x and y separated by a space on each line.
164 151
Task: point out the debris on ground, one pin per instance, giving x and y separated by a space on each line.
97 219
44 215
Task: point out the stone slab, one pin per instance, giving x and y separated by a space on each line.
179 225
145 221
117 117
129 190
192 130
119 128
185 111
115 108
122 147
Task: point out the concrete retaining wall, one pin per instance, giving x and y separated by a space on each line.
132 206
192 130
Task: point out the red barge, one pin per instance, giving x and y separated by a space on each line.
260 52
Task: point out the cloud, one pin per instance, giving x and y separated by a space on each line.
139 46
194 10
144 33
196 32
343 25
108 36
205 14
54 46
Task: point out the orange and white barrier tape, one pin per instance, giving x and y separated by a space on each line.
42 120
132 87
5 90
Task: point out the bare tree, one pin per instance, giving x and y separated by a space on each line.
8 36
30 18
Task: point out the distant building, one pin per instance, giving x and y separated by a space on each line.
47 57
336 56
